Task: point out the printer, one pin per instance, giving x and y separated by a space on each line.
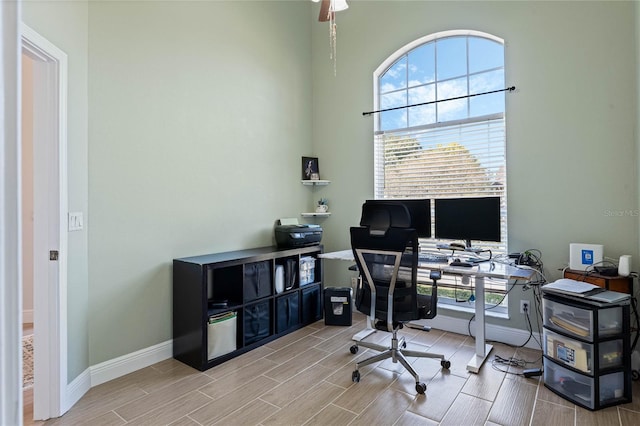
291 235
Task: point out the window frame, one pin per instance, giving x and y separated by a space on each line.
378 73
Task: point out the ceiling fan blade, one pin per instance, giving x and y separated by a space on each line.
324 11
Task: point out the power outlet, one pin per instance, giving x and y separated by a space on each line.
525 306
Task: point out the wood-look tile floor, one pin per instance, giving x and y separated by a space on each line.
305 378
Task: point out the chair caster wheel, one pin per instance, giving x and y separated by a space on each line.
354 349
421 388
445 364
355 376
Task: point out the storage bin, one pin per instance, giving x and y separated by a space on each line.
569 319
257 322
221 334
568 351
287 312
580 355
580 322
311 304
581 389
257 280
307 270
571 385
611 354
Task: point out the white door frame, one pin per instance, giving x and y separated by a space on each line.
50 232
10 231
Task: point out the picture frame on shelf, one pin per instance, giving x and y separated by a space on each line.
310 168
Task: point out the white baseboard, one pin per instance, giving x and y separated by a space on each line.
129 363
498 333
27 316
76 390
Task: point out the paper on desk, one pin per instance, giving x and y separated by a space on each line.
288 221
569 286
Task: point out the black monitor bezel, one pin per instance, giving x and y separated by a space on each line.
417 207
457 219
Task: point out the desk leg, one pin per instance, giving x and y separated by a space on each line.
482 349
363 334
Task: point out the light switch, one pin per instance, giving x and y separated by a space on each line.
75 221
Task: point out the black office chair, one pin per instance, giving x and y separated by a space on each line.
386 253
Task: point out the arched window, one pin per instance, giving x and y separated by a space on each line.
451 145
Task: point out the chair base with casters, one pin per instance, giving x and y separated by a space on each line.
397 352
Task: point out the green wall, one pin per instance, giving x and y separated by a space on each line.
64 23
199 113
571 147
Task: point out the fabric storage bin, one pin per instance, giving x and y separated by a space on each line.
287 312
257 280
307 270
221 334
257 319
311 304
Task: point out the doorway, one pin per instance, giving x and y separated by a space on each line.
44 148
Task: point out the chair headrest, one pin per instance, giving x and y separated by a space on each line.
379 216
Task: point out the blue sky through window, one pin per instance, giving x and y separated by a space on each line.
442 69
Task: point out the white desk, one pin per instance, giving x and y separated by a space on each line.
478 273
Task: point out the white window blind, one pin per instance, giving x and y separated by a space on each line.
463 159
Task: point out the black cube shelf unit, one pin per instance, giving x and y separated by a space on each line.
265 293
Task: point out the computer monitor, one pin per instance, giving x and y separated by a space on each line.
419 210
468 219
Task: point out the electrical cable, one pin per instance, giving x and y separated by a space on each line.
511 362
533 260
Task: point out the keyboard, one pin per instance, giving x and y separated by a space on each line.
459 263
432 258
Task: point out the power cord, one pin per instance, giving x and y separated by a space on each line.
498 361
529 259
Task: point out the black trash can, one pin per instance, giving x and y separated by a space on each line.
337 306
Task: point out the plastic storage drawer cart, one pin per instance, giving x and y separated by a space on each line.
586 350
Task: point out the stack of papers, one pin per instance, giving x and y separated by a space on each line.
572 287
582 289
221 317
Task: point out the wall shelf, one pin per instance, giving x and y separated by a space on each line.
311 214
315 182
